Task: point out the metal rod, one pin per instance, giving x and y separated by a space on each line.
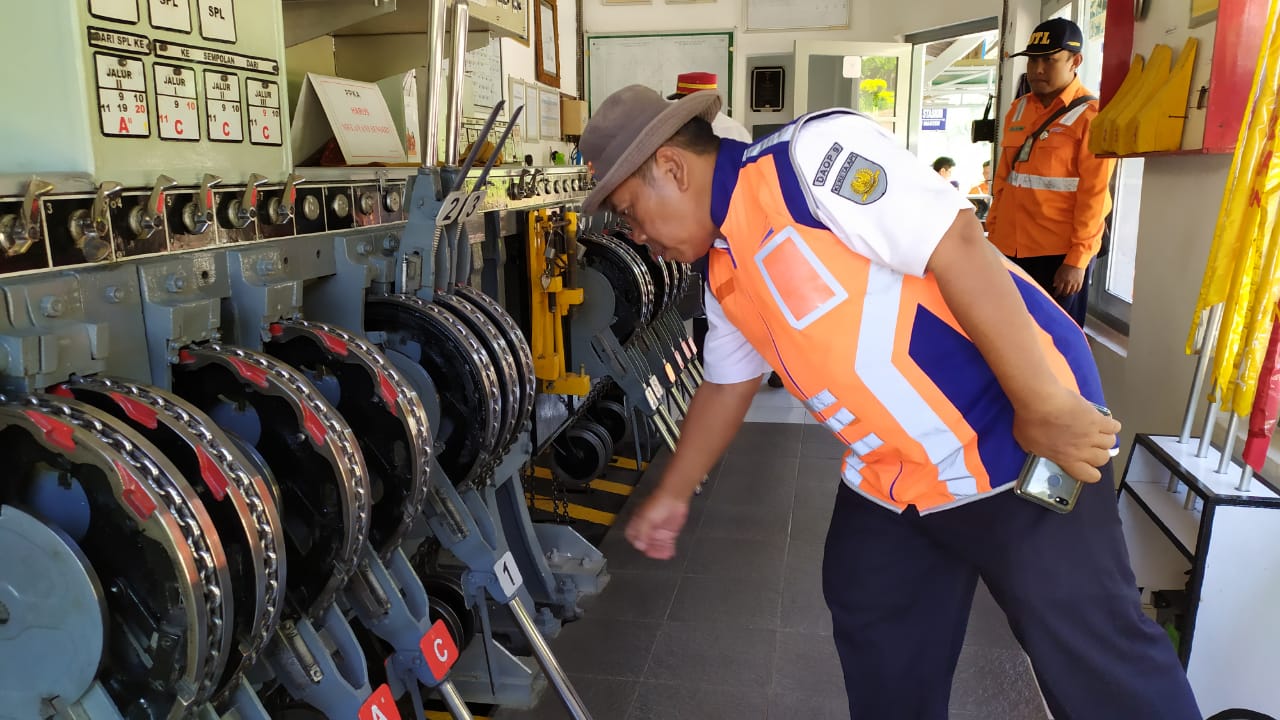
1206 342
1229 444
431 103
457 708
1246 479
1190 502
457 59
549 664
1206 435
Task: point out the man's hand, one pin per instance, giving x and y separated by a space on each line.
1068 281
656 525
1069 430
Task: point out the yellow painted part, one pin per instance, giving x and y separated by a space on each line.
1158 126
578 512
627 463
609 486
1154 77
1243 198
1100 129
546 332
568 384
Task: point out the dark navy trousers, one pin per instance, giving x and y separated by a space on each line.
1042 268
900 589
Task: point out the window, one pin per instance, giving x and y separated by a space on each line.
1111 289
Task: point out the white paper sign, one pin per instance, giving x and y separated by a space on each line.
357 117
171 14
122 96
177 112
223 107
217 20
264 112
508 574
122 10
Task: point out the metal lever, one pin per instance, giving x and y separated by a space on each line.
244 209
280 210
144 220
198 215
90 228
19 232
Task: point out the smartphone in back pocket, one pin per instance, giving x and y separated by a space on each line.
1044 483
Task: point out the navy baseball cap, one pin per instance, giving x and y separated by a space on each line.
1053 35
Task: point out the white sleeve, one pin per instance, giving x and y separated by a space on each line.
726 127
877 197
728 357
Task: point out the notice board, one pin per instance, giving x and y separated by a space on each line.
616 61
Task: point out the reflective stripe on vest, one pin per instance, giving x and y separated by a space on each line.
1043 182
875 367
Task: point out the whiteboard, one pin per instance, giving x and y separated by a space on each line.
616 61
796 14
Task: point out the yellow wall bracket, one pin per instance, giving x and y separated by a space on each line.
551 243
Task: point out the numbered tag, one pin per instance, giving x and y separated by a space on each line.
671 374
657 386
459 207
439 650
379 706
508 574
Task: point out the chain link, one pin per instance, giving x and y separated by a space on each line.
263 514
201 549
412 414
341 448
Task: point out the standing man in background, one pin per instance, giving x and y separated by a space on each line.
984 187
1051 196
724 127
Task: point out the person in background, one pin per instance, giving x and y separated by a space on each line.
724 127
944 166
984 187
1051 196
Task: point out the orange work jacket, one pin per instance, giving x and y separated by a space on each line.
1055 202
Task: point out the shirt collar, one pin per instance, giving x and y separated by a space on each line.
725 178
1069 93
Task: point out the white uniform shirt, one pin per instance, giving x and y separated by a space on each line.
899 230
726 127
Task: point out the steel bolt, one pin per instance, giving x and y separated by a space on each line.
52 306
114 294
391 243
176 283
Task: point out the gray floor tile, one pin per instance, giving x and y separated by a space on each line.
996 684
620 556
604 697
756 481
745 521
606 647
729 601
804 609
988 626
819 470
811 512
769 439
818 442
752 558
719 655
807 664
634 596
787 706
676 701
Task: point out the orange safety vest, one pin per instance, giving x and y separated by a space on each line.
1056 201
875 355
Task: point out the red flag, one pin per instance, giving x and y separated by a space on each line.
1266 403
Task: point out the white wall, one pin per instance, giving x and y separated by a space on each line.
870 21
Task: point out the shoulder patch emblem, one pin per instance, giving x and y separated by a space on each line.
828 162
861 180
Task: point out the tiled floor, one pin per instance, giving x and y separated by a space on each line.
734 628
